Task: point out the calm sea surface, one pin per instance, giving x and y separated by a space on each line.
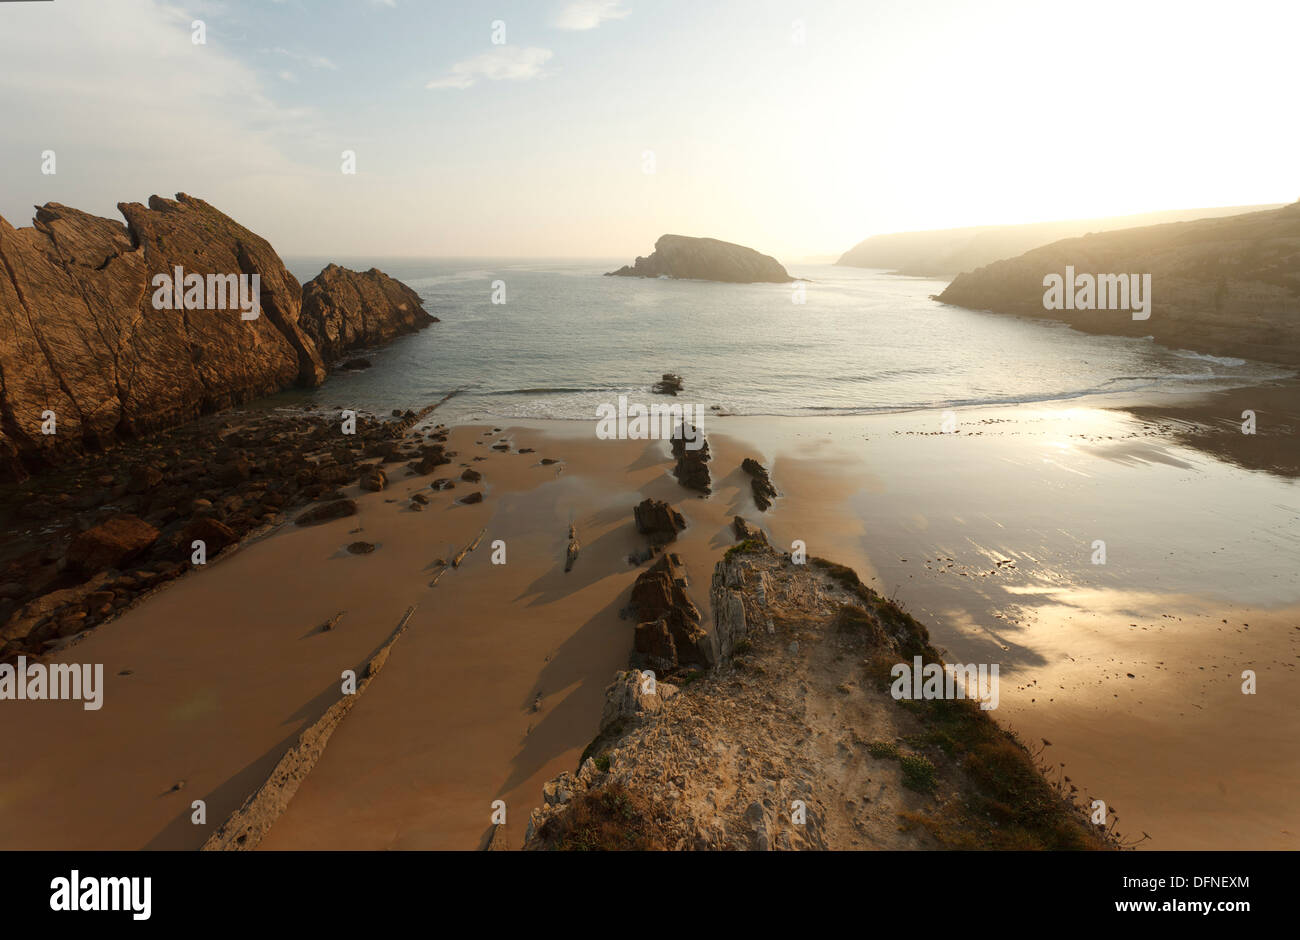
568 339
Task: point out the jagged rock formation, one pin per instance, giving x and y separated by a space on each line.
948 252
1227 286
706 259
746 532
760 483
692 467
82 344
658 520
668 630
795 742
344 309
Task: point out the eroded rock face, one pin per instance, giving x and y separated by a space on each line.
344 309
706 259
88 360
668 632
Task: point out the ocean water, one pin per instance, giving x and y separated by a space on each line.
567 340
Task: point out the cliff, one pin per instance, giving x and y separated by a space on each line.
1227 287
88 358
793 740
706 259
947 252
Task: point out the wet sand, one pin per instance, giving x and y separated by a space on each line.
229 666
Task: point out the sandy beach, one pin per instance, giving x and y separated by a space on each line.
1130 669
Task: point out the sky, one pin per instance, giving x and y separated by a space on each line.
555 128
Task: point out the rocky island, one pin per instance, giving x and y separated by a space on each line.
1224 286
706 259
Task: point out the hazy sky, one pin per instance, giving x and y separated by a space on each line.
798 128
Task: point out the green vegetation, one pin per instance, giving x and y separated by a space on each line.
748 546
885 750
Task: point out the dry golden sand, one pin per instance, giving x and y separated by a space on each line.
229 665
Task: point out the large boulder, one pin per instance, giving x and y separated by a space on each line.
111 544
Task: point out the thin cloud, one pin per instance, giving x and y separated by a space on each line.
315 61
588 14
507 62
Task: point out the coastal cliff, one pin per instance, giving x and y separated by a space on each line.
792 739
88 358
706 259
1227 286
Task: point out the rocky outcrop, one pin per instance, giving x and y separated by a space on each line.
746 533
344 309
692 467
88 358
706 259
760 483
1227 286
668 632
658 520
796 742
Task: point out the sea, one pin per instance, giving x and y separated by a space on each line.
540 339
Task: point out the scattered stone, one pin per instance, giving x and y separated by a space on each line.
324 512
471 498
373 479
442 483
361 548
471 476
